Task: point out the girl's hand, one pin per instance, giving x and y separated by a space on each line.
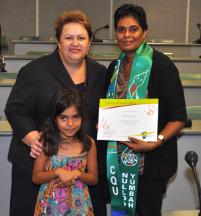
140 145
65 177
77 173
61 184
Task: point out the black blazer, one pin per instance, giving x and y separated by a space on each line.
164 84
28 102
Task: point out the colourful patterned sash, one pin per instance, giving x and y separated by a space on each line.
122 171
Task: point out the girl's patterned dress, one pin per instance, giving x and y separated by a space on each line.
69 201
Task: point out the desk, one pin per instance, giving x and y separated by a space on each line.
7 81
185 65
14 63
181 193
168 213
4 93
192 88
5 167
191 84
181 213
172 49
21 47
188 65
5 128
179 49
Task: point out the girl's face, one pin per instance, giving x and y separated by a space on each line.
68 122
129 34
73 43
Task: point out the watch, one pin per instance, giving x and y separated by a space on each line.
161 137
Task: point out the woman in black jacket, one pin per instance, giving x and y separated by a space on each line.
67 66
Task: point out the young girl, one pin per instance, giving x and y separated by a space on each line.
67 153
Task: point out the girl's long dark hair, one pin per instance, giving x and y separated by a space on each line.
63 99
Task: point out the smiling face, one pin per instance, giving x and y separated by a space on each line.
74 43
129 34
68 122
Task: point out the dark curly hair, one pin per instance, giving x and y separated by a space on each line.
131 10
63 99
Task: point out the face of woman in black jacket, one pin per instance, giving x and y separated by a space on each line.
74 43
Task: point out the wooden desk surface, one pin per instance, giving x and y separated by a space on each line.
7 82
106 56
181 213
7 79
191 83
105 41
194 130
188 80
5 128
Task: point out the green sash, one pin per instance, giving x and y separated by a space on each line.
122 171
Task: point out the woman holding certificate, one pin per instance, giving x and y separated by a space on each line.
142 72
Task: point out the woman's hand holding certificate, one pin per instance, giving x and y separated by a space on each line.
138 145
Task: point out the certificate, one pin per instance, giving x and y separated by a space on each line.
120 118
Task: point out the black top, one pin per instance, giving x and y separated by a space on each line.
164 84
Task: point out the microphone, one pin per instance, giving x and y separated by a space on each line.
192 158
94 39
198 41
2 61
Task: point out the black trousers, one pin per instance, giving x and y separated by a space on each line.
149 196
99 196
23 192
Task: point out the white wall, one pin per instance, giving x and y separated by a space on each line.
166 19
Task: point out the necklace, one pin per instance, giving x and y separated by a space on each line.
66 146
68 140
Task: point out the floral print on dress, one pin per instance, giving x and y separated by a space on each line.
67 201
